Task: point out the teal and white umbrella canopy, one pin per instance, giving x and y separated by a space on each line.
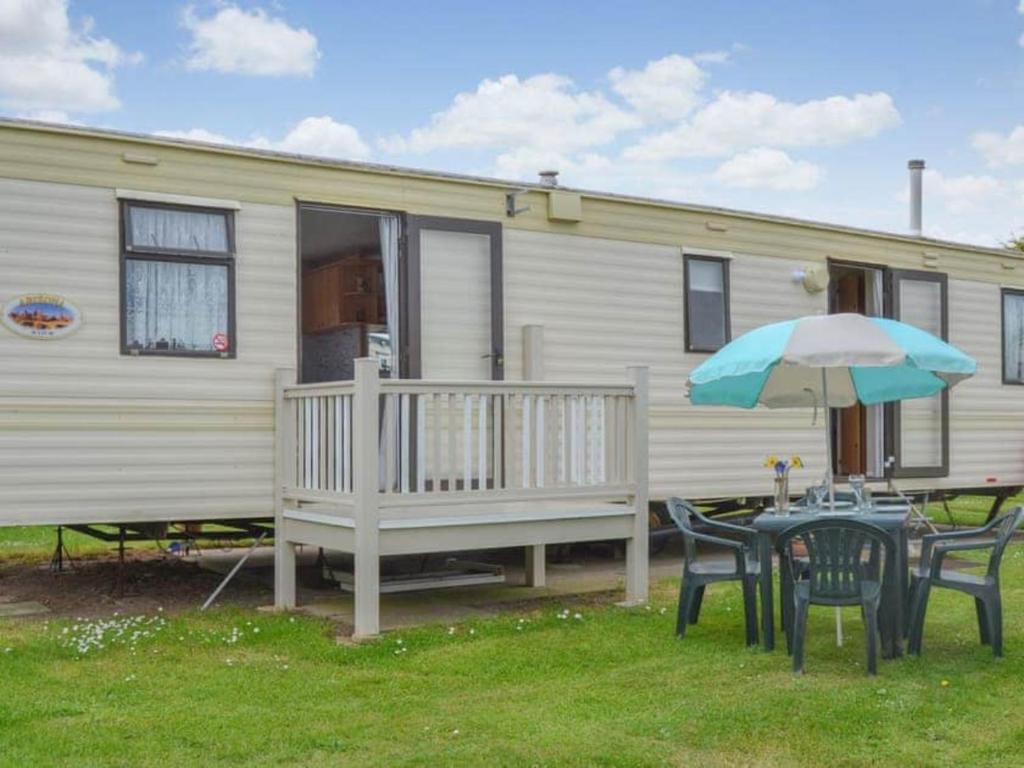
835 360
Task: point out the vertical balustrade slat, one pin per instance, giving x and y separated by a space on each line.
321 404
498 454
404 470
314 437
541 442
481 430
420 404
623 428
435 453
512 476
307 443
562 442
330 477
584 444
571 451
593 467
527 439
452 461
390 436
318 457
606 439
581 440
467 442
300 437
318 426
346 444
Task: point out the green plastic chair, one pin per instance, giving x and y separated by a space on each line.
698 572
846 563
988 601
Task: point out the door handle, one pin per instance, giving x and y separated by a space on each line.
498 357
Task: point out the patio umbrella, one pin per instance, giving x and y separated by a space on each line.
828 361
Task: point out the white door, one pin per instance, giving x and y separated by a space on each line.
459 276
921 426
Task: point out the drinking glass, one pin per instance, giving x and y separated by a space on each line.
857 483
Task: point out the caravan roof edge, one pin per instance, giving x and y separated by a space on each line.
382 168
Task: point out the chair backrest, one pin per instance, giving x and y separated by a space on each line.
682 513
835 556
1004 529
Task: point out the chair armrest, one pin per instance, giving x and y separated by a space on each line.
739 550
941 550
748 533
930 540
707 538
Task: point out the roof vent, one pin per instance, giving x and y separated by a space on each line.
916 168
548 178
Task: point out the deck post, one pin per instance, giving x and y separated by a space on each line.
533 370
365 485
284 466
637 576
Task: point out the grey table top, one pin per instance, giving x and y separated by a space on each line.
890 517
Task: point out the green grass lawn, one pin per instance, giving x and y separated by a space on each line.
611 687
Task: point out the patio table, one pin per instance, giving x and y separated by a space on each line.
892 518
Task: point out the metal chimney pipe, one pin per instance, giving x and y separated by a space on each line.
548 178
916 172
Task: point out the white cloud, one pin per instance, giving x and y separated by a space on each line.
999 149
542 112
735 121
766 168
666 89
47 64
249 43
968 193
523 163
317 136
320 136
198 134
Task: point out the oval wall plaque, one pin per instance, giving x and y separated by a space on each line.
41 316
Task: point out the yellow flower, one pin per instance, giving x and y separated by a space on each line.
796 462
771 461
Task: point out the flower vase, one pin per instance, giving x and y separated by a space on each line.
782 494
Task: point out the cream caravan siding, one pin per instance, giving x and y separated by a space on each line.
605 305
987 442
89 434
555 281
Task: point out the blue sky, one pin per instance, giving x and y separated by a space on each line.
800 108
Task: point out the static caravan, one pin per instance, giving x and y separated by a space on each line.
184 325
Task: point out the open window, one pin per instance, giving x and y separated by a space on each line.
177 280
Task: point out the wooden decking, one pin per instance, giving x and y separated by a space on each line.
395 467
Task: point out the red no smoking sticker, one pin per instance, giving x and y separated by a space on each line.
220 342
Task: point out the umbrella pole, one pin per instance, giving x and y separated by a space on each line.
828 443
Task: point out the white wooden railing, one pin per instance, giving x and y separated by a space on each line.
443 440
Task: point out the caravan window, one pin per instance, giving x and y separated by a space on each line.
177 281
1013 336
706 283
